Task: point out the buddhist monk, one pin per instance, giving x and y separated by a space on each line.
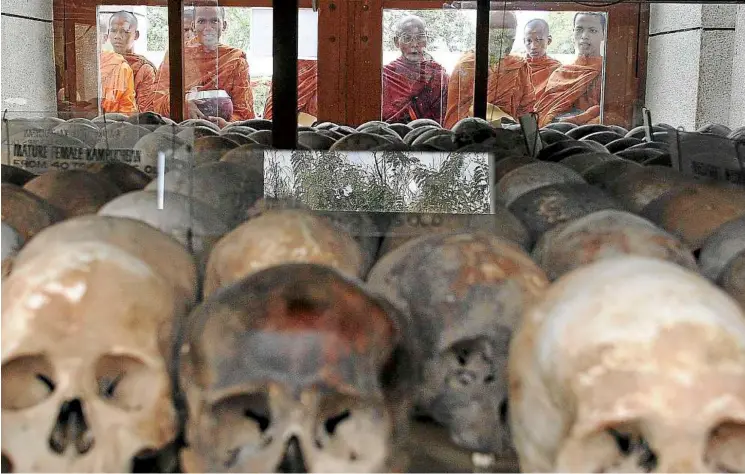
123 33
572 92
117 93
509 89
307 89
537 38
414 85
188 22
209 65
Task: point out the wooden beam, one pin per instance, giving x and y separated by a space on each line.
333 36
481 72
284 77
175 59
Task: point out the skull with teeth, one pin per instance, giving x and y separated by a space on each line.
85 382
630 365
295 368
475 289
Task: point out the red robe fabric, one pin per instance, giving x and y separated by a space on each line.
117 84
307 89
226 69
540 70
509 88
414 91
573 87
144 72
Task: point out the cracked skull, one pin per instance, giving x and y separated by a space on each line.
463 312
630 365
85 383
295 368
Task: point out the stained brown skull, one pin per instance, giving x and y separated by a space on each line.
26 212
281 236
630 365
463 294
296 369
84 369
75 192
606 234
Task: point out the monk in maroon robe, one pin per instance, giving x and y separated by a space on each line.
414 85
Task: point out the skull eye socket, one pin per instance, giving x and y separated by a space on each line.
633 448
726 449
252 407
122 380
27 381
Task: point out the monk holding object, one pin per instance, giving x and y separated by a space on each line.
509 91
117 80
123 33
414 85
537 38
307 90
209 66
572 93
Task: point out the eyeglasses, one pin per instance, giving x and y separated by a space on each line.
411 39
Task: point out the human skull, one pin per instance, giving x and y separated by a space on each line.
281 236
464 294
296 368
630 365
26 212
76 192
86 388
606 234
533 176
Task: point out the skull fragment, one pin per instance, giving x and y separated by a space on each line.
296 369
630 365
463 294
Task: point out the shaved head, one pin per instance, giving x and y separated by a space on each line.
124 16
411 38
538 25
408 23
536 38
500 19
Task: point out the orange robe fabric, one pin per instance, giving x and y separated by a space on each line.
307 89
226 69
412 92
509 88
144 76
117 84
572 89
540 70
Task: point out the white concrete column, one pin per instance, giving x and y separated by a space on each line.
737 107
28 77
690 64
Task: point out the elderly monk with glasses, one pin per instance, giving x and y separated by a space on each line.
414 85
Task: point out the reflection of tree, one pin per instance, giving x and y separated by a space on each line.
238 33
562 27
394 181
451 28
157 30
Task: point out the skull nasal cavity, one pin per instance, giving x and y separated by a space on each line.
71 427
292 460
7 465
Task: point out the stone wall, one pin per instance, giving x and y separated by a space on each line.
28 75
693 67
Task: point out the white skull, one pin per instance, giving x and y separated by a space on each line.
85 382
630 365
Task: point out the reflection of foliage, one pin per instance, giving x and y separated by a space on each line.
157 31
395 181
260 89
238 33
450 28
561 32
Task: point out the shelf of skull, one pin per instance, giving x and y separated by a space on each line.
590 317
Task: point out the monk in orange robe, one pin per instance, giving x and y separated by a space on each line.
209 65
122 34
537 39
414 85
573 91
509 86
307 89
117 84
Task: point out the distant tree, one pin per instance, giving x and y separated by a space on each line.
562 32
450 28
238 34
157 31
